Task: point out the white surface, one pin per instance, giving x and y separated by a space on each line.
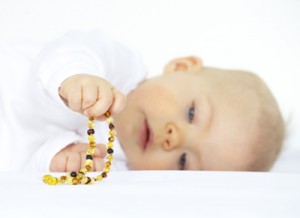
155 194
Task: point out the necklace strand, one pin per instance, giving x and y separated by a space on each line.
75 178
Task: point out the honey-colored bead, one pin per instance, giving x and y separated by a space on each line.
69 179
79 176
98 178
109 145
110 157
83 170
88 168
75 181
91 118
91 138
88 162
109 120
111 139
86 180
107 164
91 124
112 132
62 179
90 151
50 180
93 144
106 170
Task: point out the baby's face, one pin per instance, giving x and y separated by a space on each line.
190 121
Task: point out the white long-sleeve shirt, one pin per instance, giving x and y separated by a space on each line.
35 124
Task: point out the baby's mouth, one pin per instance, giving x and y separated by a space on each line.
145 135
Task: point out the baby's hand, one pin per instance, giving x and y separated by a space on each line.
72 158
91 95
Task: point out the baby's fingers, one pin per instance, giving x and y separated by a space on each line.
103 103
118 102
73 162
89 96
74 99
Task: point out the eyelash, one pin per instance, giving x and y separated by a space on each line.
182 161
191 113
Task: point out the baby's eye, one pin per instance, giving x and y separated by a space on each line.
182 161
191 112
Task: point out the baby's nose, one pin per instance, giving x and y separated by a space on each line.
172 138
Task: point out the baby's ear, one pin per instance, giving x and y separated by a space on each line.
185 65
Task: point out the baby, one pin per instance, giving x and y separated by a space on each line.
189 118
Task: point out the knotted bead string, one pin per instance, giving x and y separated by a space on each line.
75 178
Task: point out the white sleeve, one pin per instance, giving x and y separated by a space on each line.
90 53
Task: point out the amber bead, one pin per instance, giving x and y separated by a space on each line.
98 178
109 120
90 151
88 180
88 168
88 162
106 170
110 151
104 175
63 178
107 164
93 144
111 139
83 171
110 145
91 124
75 181
112 133
111 126
91 138
107 114
91 131
89 157
110 157
50 180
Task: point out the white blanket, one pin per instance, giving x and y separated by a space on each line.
155 194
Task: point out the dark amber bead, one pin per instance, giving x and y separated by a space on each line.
111 126
89 157
91 131
107 114
104 175
111 139
73 174
88 180
110 151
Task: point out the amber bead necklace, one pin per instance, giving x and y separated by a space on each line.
75 178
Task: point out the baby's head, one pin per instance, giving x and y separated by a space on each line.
199 118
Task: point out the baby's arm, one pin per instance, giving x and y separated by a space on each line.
77 68
72 158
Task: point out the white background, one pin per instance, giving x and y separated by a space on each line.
262 36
